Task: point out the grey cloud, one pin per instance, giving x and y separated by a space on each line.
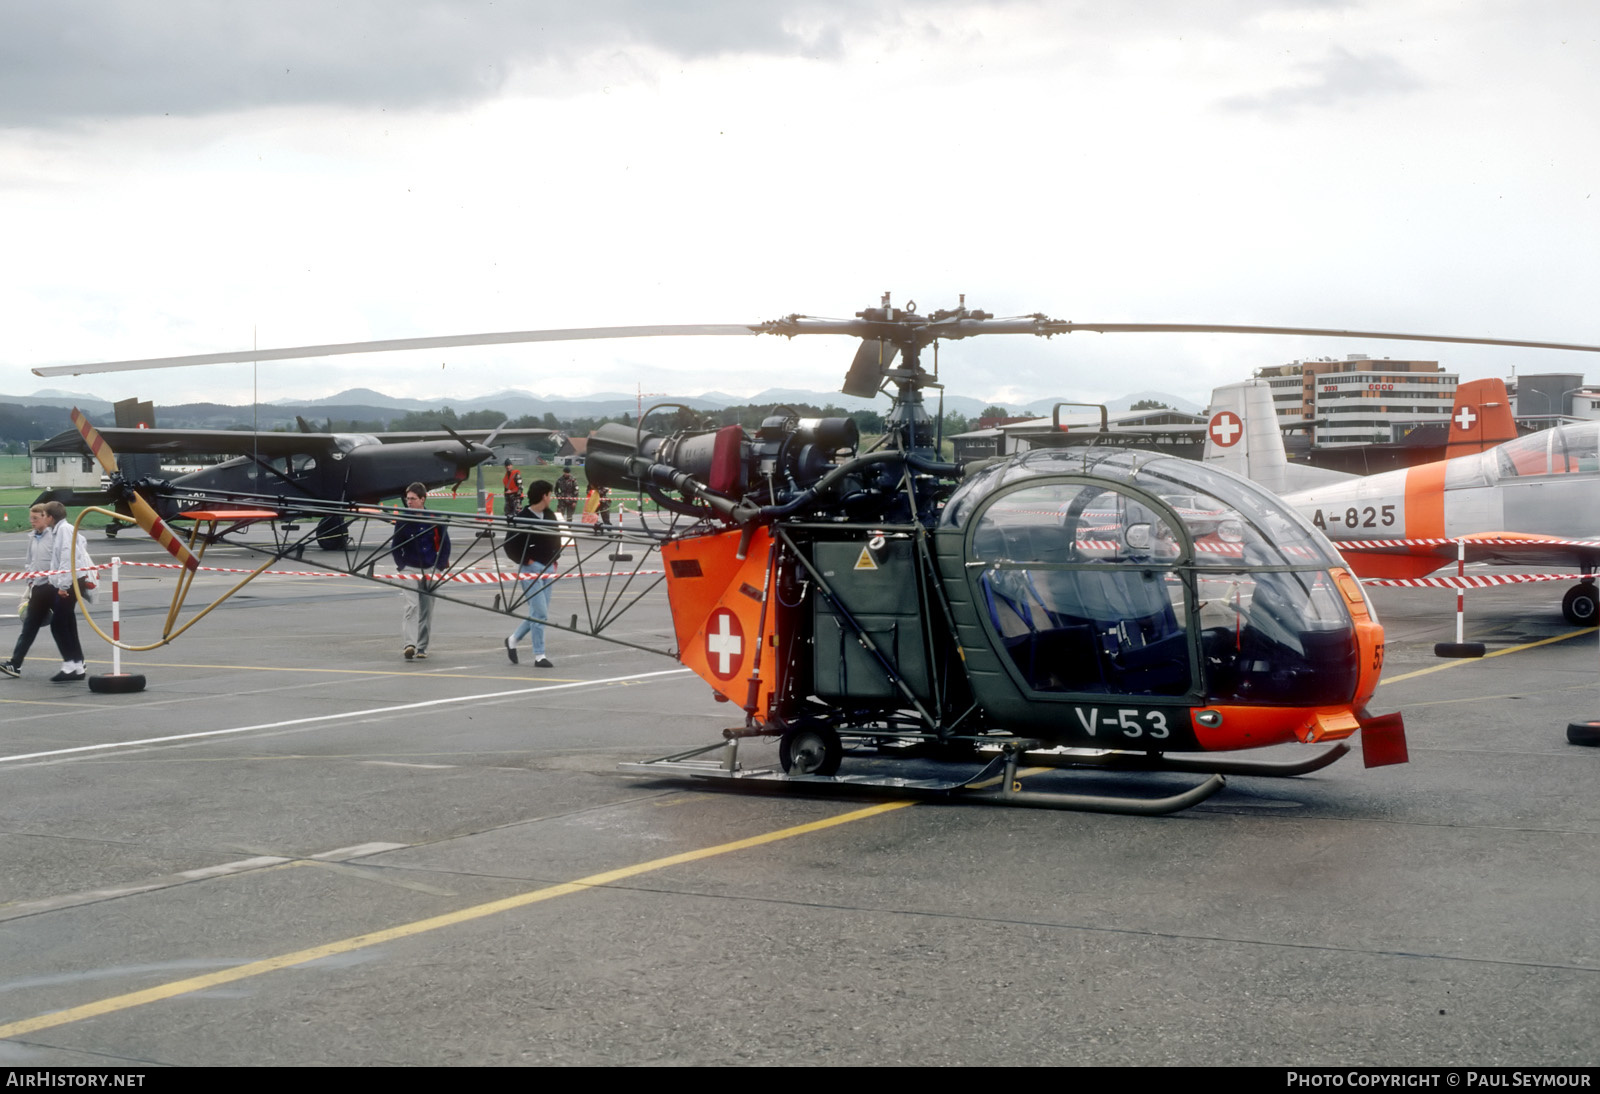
1342 77
70 60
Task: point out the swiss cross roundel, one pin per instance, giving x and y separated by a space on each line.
724 644
1225 428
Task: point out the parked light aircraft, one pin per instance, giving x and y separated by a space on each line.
1529 501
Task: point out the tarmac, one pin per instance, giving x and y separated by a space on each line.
297 848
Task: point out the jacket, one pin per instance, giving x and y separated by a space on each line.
421 545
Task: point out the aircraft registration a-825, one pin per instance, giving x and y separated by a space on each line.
1532 500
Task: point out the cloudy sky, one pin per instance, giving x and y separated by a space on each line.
193 176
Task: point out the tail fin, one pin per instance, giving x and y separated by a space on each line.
1243 437
1480 419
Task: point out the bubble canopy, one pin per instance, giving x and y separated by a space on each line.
1100 572
1206 517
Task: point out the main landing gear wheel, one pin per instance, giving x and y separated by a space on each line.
333 533
119 683
814 750
1581 605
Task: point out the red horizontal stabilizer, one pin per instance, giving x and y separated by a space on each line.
1383 740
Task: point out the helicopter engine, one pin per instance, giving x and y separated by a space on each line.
789 466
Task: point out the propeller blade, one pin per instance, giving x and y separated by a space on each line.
143 511
387 345
97 444
160 531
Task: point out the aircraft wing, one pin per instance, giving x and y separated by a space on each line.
480 435
197 442
1418 558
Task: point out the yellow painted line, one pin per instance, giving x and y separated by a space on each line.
406 930
1453 662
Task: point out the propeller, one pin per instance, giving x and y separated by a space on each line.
143 512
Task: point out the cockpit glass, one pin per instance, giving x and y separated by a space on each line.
1564 450
1232 521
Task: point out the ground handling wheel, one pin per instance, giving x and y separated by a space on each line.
1584 733
1581 605
810 750
117 683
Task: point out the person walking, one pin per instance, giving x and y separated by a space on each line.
536 553
51 547
424 546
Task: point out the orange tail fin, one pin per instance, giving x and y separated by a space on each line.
1481 418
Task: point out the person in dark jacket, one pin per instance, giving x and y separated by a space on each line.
541 553
423 546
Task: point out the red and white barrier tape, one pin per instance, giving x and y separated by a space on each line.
471 577
1474 581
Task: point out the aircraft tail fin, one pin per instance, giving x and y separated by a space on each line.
1481 418
1243 436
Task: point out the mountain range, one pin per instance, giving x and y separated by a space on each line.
366 404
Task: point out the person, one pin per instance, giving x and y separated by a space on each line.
50 547
511 483
424 546
605 506
566 494
540 551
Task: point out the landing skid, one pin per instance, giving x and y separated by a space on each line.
997 783
1138 761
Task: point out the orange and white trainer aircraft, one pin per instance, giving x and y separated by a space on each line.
1531 500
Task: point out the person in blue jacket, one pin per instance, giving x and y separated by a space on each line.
420 545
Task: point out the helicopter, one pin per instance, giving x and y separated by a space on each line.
1062 607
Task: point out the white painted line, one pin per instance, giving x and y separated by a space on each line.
360 850
348 715
236 867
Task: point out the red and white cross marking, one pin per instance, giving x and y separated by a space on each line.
1465 417
1225 428
724 644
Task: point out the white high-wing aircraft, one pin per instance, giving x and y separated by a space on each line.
1532 500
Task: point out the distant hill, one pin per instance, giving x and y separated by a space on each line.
32 417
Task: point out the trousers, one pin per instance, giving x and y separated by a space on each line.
43 601
537 593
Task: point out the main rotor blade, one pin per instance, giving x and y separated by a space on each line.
573 334
922 330
1315 332
907 330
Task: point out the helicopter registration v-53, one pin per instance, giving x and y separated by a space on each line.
1153 611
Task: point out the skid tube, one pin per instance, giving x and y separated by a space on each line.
997 783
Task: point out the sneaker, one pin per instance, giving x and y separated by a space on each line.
511 652
9 669
64 676
542 662
410 652
421 656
